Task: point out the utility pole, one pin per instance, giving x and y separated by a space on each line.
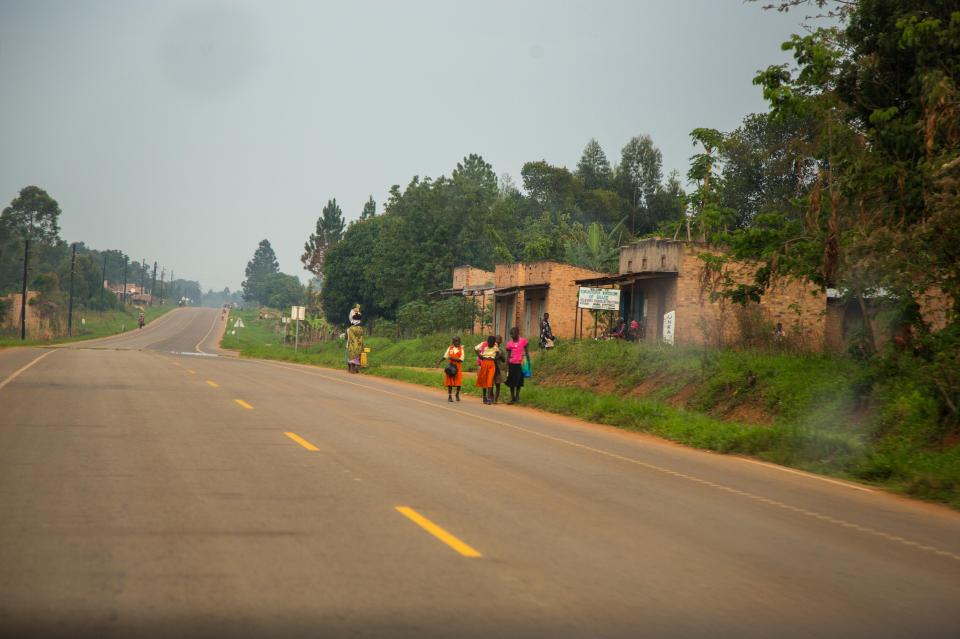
124 294
103 281
163 272
23 294
153 286
143 277
73 267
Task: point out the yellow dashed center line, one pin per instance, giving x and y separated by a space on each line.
244 404
300 440
214 384
438 532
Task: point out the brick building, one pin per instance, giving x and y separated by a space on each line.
524 292
659 276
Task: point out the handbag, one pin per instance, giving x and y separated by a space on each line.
548 343
526 369
450 370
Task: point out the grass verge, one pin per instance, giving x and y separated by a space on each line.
93 325
818 413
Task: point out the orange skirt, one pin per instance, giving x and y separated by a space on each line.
456 380
485 375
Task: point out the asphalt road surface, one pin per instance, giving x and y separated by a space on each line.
152 486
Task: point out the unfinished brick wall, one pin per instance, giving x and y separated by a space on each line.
936 308
466 276
651 255
798 305
37 327
506 275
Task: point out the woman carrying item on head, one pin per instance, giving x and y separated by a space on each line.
546 332
354 340
454 357
516 351
487 351
500 361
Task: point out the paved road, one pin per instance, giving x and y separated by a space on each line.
150 490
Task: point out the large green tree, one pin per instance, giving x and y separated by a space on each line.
34 214
282 291
263 264
329 230
369 209
638 177
593 169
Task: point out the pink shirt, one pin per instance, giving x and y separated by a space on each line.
516 350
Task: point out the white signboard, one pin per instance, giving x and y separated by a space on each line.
669 320
239 323
600 299
298 312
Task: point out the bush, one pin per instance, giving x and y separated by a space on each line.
449 315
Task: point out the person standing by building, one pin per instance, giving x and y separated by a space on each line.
546 332
516 351
487 350
354 340
454 357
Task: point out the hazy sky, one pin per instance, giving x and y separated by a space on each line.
186 132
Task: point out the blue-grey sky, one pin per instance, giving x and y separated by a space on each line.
186 132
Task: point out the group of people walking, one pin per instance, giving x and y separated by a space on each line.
493 358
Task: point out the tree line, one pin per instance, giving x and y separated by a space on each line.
850 179
33 214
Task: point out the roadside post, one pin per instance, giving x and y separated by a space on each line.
297 313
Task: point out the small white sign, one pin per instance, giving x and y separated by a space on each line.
239 323
600 299
669 320
298 312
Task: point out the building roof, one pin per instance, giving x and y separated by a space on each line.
510 290
466 291
625 278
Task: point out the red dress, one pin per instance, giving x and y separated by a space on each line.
454 353
488 368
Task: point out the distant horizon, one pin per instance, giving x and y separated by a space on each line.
186 132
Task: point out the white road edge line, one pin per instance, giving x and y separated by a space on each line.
23 368
660 469
792 471
82 343
197 348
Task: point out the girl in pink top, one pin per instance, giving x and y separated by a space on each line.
516 351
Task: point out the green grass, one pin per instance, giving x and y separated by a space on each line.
821 413
98 324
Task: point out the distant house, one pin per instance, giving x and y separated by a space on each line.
135 293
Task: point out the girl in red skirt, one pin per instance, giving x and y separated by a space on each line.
454 357
488 352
